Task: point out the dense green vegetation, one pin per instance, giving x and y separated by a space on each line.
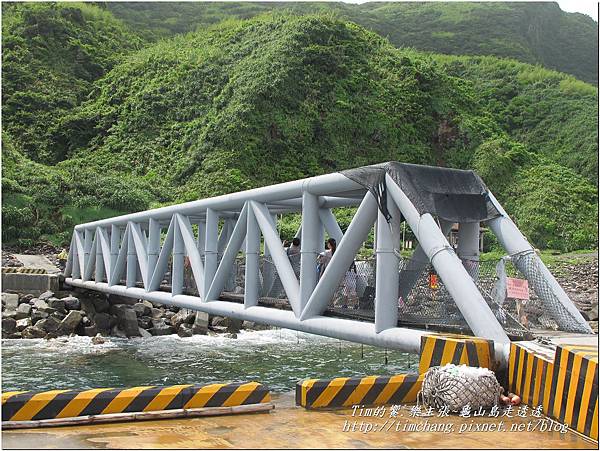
51 55
529 32
248 103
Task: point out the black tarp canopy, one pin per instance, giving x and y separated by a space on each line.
455 195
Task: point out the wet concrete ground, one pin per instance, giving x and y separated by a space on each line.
292 427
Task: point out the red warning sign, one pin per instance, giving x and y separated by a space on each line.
517 288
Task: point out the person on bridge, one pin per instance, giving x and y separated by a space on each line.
294 249
325 257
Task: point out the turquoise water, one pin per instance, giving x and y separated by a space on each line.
277 358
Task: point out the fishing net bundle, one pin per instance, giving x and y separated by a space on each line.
458 386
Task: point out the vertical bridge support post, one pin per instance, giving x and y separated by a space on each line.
251 281
387 270
210 250
309 246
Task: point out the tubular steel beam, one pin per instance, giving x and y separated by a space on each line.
309 246
515 243
342 258
459 284
319 185
388 260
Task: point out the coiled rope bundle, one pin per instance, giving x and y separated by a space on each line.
457 386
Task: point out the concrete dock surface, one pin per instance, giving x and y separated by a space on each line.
289 426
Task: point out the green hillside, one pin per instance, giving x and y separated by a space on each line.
535 33
51 55
279 97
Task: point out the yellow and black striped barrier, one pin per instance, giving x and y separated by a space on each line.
566 384
23 270
440 349
32 406
349 391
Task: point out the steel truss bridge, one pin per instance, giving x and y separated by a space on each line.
130 255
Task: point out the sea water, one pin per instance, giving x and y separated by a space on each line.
277 357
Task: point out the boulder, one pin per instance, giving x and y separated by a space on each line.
101 304
57 304
147 304
9 313
592 314
23 311
46 295
40 303
32 301
231 335
234 326
49 324
10 301
141 309
251 325
37 315
23 324
25 298
144 333
9 326
116 332
102 321
70 322
200 325
48 310
59 315
185 330
156 312
126 319
71 303
50 336
181 317
128 323
159 327
90 331
15 335
98 340
145 322
33 332
87 306
218 321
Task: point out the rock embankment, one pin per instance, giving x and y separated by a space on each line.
90 314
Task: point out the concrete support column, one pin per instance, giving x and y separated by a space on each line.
468 247
309 246
210 248
252 254
386 283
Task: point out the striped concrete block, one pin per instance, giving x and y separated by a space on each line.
564 382
25 406
23 270
366 391
440 349
530 368
574 397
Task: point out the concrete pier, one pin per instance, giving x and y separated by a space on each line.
292 427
